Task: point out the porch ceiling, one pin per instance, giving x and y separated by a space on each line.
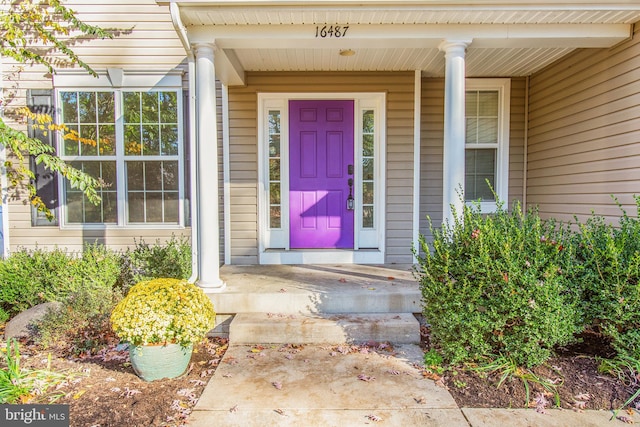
508 38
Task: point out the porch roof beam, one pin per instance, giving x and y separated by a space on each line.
423 36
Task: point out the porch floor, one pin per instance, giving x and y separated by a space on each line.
315 289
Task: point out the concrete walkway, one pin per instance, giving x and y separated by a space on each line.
315 385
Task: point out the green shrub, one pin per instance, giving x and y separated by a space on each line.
28 278
171 259
608 272
498 285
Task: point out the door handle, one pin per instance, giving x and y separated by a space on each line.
350 201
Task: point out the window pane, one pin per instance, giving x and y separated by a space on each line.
367 193
150 107
135 176
136 207
367 169
274 122
88 141
472 130
274 145
69 107
74 207
170 176
153 176
274 169
367 145
480 168
107 143
87 107
168 107
132 140
150 140
110 207
367 217
367 121
488 103
106 107
71 146
471 104
171 207
131 107
274 193
154 207
275 217
488 130
169 137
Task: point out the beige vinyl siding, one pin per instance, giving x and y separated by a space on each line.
584 133
244 160
431 148
146 41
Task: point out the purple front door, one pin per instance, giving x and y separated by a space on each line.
320 159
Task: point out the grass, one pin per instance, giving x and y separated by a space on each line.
19 385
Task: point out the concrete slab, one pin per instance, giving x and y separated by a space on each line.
399 328
322 385
481 417
317 289
329 418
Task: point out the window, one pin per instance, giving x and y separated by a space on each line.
132 141
368 168
487 141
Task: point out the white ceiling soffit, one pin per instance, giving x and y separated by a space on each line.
509 38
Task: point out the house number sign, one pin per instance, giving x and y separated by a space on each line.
329 31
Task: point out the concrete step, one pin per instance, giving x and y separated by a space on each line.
282 328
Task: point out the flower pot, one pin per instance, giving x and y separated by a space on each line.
153 362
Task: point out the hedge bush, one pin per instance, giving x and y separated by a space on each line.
498 285
608 274
28 278
171 259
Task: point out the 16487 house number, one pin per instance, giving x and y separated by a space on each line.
327 31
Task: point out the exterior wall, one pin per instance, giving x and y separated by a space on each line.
244 158
431 148
146 41
584 133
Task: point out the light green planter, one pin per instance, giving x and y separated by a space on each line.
154 362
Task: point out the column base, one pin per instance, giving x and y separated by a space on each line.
212 287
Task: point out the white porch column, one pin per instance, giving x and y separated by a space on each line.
454 128
208 227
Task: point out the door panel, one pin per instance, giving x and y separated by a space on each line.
321 148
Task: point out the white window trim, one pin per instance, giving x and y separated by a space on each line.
154 82
273 245
503 86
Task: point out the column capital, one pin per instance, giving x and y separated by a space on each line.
204 49
454 47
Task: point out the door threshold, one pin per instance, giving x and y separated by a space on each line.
322 256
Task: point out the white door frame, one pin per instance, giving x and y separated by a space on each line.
369 243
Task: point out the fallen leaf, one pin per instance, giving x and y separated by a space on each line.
227 376
283 290
233 409
391 278
420 400
393 372
78 394
624 419
342 280
374 418
363 377
280 411
277 385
